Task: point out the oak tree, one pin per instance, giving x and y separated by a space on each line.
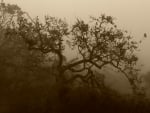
99 44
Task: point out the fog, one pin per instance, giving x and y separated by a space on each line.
130 15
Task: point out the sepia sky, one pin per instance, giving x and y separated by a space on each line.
131 15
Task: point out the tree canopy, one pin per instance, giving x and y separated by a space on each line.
36 72
99 43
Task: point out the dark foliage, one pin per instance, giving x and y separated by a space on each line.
35 76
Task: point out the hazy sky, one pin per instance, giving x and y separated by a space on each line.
132 15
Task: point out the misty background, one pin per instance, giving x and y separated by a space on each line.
132 16
34 80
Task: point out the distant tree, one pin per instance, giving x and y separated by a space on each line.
21 70
7 13
11 46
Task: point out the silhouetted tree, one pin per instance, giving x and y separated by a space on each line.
32 54
99 44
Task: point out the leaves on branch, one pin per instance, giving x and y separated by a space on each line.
99 43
